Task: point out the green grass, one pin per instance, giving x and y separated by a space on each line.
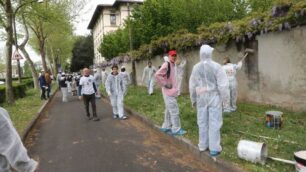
25 109
249 118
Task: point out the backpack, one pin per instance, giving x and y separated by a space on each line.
168 70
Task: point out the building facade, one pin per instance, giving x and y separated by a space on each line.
108 18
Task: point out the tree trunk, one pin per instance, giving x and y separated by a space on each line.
43 53
32 67
134 79
16 46
8 52
54 61
25 53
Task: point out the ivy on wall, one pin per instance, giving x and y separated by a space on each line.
284 16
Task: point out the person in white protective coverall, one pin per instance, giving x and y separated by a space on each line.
166 77
116 90
98 81
208 86
104 76
180 68
126 77
231 71
148 77
12 152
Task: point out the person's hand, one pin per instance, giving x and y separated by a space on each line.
194 104
80 97
37 168
168 86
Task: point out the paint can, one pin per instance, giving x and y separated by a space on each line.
252 151
274 119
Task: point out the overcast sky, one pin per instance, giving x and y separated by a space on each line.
86 14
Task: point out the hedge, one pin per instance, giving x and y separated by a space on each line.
19 90
16 79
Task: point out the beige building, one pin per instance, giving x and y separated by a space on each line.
108 18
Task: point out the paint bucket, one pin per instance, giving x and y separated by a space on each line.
274 119
252 151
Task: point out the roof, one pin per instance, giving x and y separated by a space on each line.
99 8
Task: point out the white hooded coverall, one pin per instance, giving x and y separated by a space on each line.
208 88
126 78
12 151
148 78
231 70
98 80
116 89
180 74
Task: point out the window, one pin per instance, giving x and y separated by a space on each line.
113 19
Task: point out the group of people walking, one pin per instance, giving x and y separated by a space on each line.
87 86
45 80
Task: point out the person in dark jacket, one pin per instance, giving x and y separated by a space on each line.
64 89
43 85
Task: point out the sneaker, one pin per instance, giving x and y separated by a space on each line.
89 117
179 132
214 153
123 117
165 130
203 150
96 119
227 111
115 116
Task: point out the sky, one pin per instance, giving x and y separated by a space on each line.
80 26
85 15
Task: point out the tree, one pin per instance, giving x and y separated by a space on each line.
29 62
27 70
158 18
82 53
115 43
6 21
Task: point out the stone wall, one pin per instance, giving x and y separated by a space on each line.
274 74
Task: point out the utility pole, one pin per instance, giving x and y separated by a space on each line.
134 80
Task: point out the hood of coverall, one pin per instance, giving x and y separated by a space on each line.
206 52
166 58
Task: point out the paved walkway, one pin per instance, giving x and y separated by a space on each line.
65 141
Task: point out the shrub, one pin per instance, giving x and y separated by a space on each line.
19 90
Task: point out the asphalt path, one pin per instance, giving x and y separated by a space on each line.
64 140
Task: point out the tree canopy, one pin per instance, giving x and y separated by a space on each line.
82 53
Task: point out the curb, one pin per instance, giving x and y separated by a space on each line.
218 164
30 126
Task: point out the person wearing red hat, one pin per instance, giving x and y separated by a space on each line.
166 77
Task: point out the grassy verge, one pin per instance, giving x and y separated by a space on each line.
24 109
249 118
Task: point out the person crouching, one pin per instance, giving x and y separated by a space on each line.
115 88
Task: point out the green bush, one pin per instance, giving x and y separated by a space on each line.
19 90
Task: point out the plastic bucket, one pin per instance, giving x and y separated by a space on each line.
252 151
